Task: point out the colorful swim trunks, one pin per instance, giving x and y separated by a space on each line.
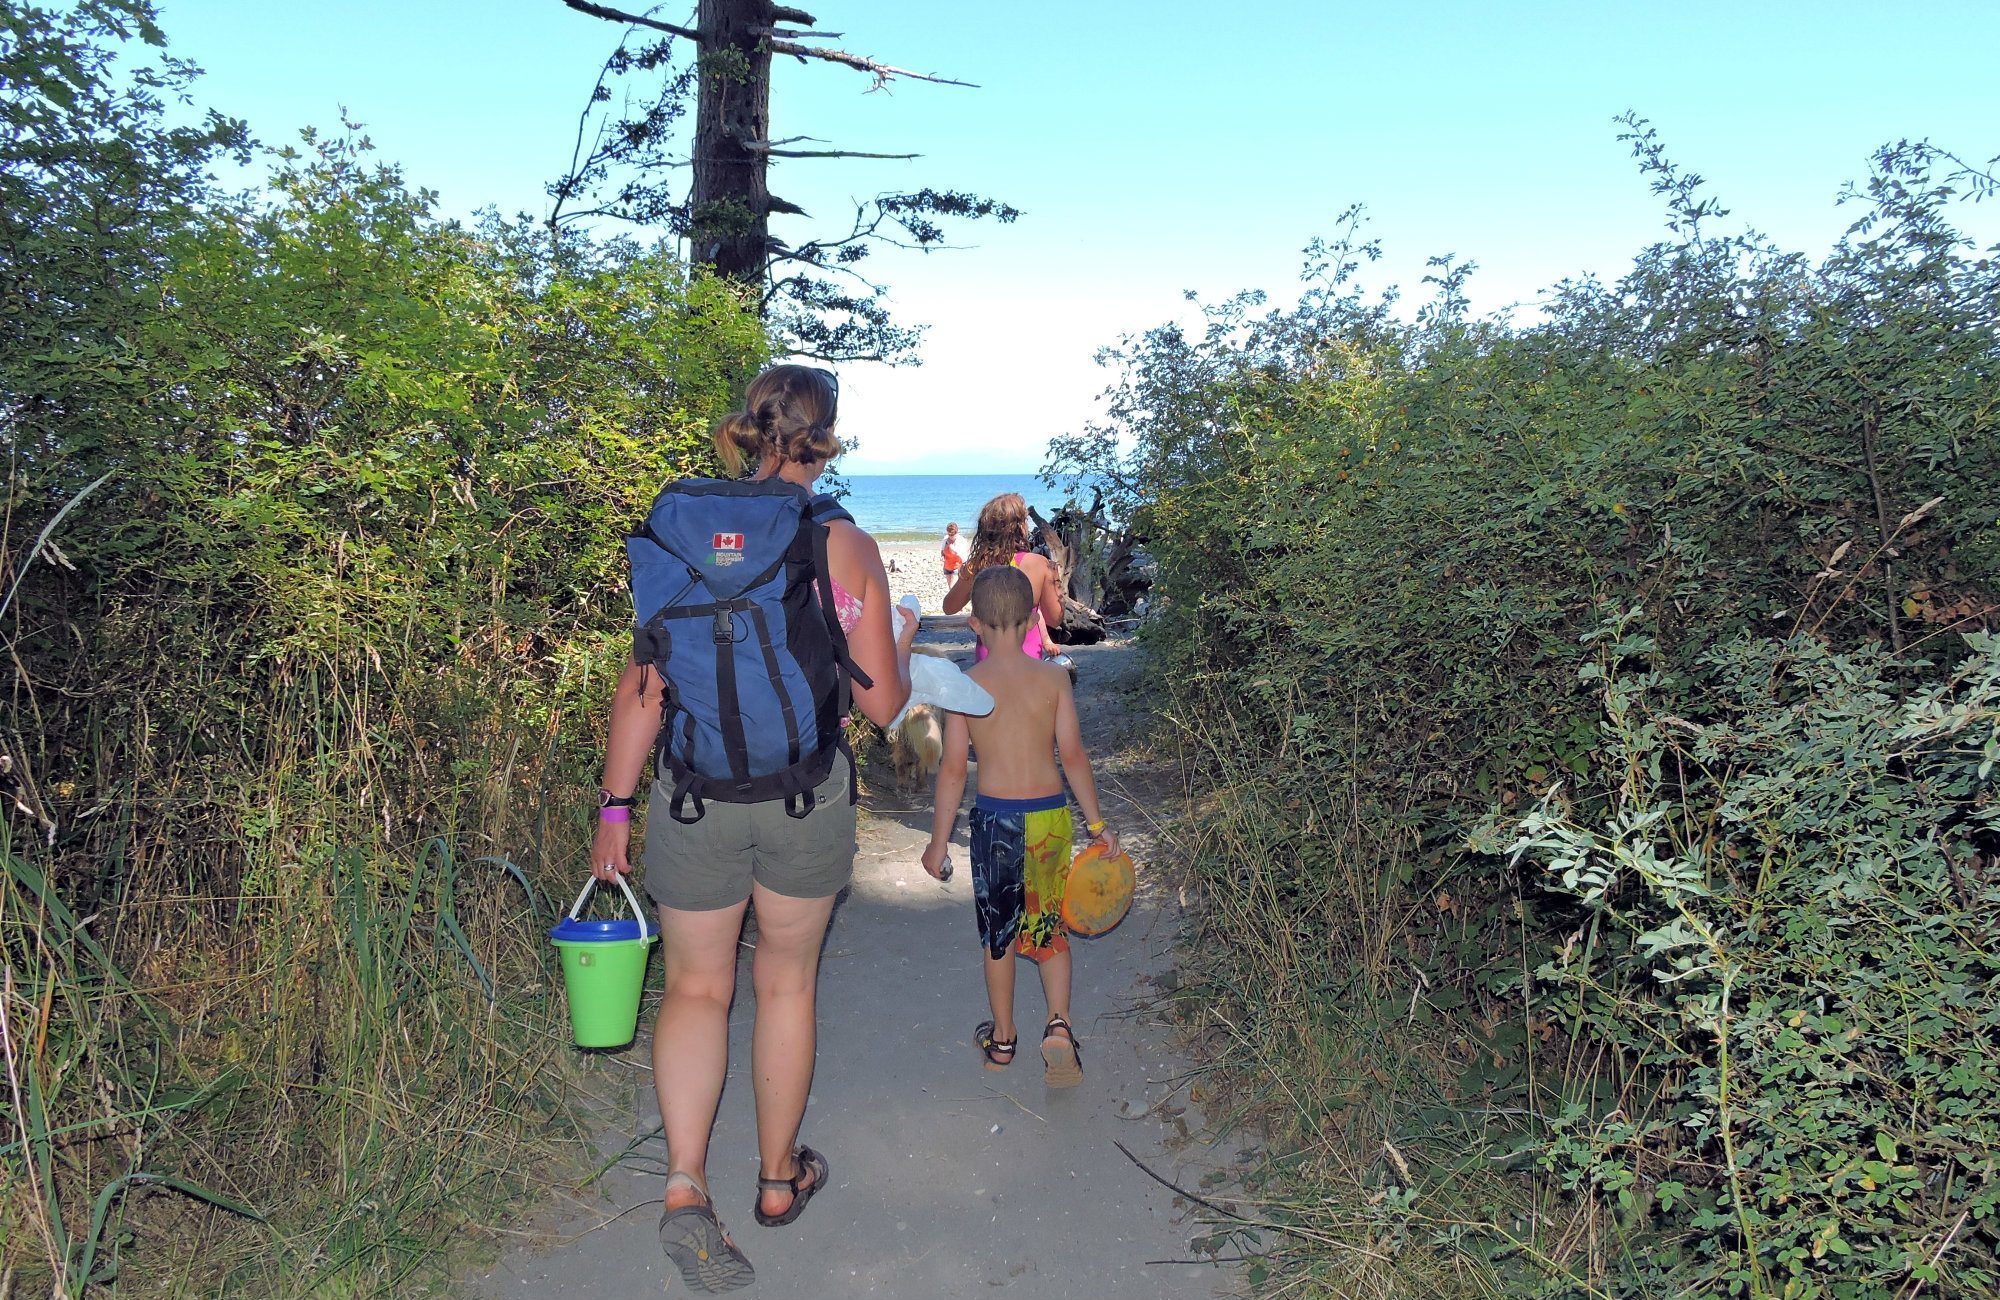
1020 864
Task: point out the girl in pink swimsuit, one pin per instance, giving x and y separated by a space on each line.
1002 538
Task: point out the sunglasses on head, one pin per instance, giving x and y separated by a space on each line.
832 387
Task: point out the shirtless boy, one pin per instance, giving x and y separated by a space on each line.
1020 820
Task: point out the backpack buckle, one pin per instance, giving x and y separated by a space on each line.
725 625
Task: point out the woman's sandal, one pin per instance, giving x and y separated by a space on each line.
1062 1057
808 1161
999 1054
695 1241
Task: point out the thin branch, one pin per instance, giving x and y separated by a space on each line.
781 256
768 149
1916 1282
611 15
882 71
1870 422
835 153
788 34
785 14
576 162
585 214
1196 1197
779 285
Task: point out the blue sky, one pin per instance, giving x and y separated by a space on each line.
1163 147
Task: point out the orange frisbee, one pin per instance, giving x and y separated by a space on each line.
1099 892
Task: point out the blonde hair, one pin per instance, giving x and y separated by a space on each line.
1003 530
788 413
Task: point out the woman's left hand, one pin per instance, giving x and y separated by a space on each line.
610 851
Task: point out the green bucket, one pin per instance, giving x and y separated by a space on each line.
604 970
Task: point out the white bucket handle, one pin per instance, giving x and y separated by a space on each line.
576 908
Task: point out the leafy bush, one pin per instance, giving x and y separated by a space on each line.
311 588
1788 946
1381 540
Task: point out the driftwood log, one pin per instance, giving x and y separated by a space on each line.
1108 570
1081 625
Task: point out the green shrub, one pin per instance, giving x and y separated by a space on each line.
1381 542
1788 943
306 680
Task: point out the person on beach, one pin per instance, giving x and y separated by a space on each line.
1002 539
1020 820
952 553
790 855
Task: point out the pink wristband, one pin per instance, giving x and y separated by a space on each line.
614 814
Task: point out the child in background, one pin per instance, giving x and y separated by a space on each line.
1020 820
952 552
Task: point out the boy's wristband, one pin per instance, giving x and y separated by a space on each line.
1095 828
614 814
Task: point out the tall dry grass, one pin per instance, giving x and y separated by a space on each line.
300 1028
1321 1028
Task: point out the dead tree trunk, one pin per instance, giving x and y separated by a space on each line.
1102 574
624 167
729 211
1081 625
1125 585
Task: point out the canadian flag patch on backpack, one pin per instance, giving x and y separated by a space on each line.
733 607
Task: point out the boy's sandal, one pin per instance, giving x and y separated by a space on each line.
999 1053
808 1161
695 1241
1062 1057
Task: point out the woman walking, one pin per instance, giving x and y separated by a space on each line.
1002 539
789 855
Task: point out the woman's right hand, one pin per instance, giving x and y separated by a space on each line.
610 851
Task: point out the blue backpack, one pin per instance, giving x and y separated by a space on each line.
733 606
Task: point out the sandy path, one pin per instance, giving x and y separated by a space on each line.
948 1181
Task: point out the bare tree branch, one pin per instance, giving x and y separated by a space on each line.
882 71
788 15
779 286
582 129
620 16
770 149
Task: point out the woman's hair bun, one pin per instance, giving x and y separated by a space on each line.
788 412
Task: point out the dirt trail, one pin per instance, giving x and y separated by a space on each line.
948 1181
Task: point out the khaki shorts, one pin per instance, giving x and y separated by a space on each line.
709 865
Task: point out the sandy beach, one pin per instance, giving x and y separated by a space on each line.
914 570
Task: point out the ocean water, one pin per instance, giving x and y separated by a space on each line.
914 507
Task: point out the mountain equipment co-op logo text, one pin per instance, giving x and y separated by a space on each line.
728 548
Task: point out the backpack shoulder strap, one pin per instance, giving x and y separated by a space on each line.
824 508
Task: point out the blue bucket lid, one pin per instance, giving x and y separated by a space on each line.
574 931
